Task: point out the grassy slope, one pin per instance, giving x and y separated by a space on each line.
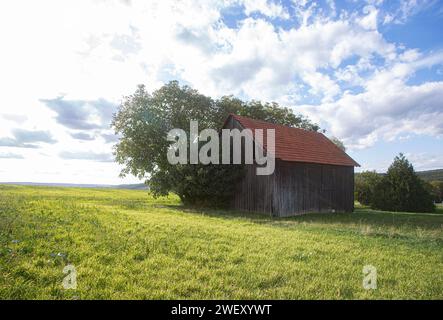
125 244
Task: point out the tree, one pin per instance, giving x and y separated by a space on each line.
402 190
338 143
143 121
366 186
269 112
437 190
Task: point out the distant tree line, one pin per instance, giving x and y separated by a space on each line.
400 189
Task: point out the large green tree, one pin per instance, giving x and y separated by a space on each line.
402 190
143 121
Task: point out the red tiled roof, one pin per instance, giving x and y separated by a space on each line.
299 145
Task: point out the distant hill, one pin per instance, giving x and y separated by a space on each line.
139 186
431 175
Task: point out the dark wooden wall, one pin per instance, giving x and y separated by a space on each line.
310 187
255 193
297 188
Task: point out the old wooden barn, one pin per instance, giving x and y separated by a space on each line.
311 174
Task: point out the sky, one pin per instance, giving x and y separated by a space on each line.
368 72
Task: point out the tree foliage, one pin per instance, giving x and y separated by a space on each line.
143 121
338 143
402 190
436 188
366 186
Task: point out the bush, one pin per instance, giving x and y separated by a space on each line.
365 186
437 190
402 190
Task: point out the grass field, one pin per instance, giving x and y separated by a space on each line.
126 245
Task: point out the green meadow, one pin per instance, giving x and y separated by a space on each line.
124 244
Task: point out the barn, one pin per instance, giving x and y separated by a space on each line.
311 174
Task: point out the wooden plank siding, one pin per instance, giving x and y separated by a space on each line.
309 187
255 193
297 188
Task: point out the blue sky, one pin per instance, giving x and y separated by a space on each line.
369 72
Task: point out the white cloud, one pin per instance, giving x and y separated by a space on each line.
387 109
265 7
321 84
369 21
9 155
425 160
407 9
